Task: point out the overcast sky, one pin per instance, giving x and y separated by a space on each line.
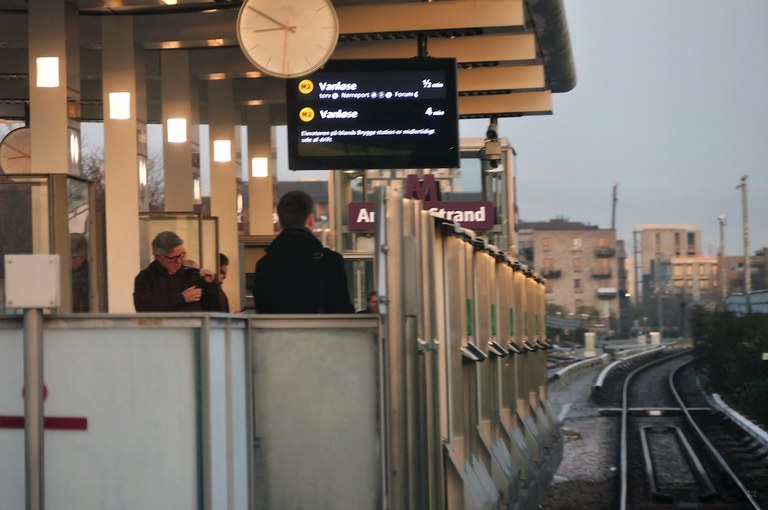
671 103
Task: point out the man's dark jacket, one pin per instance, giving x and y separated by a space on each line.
298 275
154 290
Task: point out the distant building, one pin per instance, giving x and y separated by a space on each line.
694 277
583 265
672 274
666 241
733 267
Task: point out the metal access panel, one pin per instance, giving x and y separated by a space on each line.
317 412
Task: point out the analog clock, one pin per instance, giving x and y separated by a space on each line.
287 38
15 151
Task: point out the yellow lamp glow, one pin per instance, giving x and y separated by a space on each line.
47 71
142 171
177 130
259 167
119 105
196 190
74 148
222 151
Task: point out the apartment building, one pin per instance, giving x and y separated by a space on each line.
691 277
734 275
581 263
672 275
655 246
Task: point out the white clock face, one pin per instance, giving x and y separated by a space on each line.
287 38
15 152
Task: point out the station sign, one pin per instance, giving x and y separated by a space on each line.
472 215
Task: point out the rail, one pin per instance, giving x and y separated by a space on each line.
679 475
749 427
624 429
562 376
711 447
607 371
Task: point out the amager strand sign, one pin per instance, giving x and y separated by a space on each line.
472 215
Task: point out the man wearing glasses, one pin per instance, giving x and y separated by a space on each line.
167 285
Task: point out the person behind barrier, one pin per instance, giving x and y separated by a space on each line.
81 292
167 285
223 268
372 304
297 274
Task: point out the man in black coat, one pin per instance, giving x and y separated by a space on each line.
297 274
167 285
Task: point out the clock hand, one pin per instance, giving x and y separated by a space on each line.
285 53
290 29
23 154
267 29
270 18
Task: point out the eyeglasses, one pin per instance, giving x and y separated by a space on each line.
177 258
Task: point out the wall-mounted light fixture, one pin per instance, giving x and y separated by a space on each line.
119 105
47 71
196 190
259 167
142 171
74 149
222 151
176 130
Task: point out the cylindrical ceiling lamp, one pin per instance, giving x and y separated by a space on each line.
47 72
142 171
259 167
222 151
176 130
196 190
119 105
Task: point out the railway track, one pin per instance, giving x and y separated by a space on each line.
675 451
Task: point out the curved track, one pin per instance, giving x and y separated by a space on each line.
672 455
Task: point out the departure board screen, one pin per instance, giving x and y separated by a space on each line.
374 114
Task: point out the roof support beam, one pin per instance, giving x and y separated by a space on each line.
467 49
506 105
383 18
520 78
429 16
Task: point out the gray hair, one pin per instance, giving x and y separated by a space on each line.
165 242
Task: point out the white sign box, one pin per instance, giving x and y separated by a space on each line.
32 281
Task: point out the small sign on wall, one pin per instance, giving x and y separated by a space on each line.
32 281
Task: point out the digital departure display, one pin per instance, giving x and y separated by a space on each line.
374 114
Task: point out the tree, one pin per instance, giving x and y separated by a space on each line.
729 351
92 168
156 182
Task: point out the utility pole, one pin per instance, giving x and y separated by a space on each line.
636 268
721 258
747 272
659 309
613 205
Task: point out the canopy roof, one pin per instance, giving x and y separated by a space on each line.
511 54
